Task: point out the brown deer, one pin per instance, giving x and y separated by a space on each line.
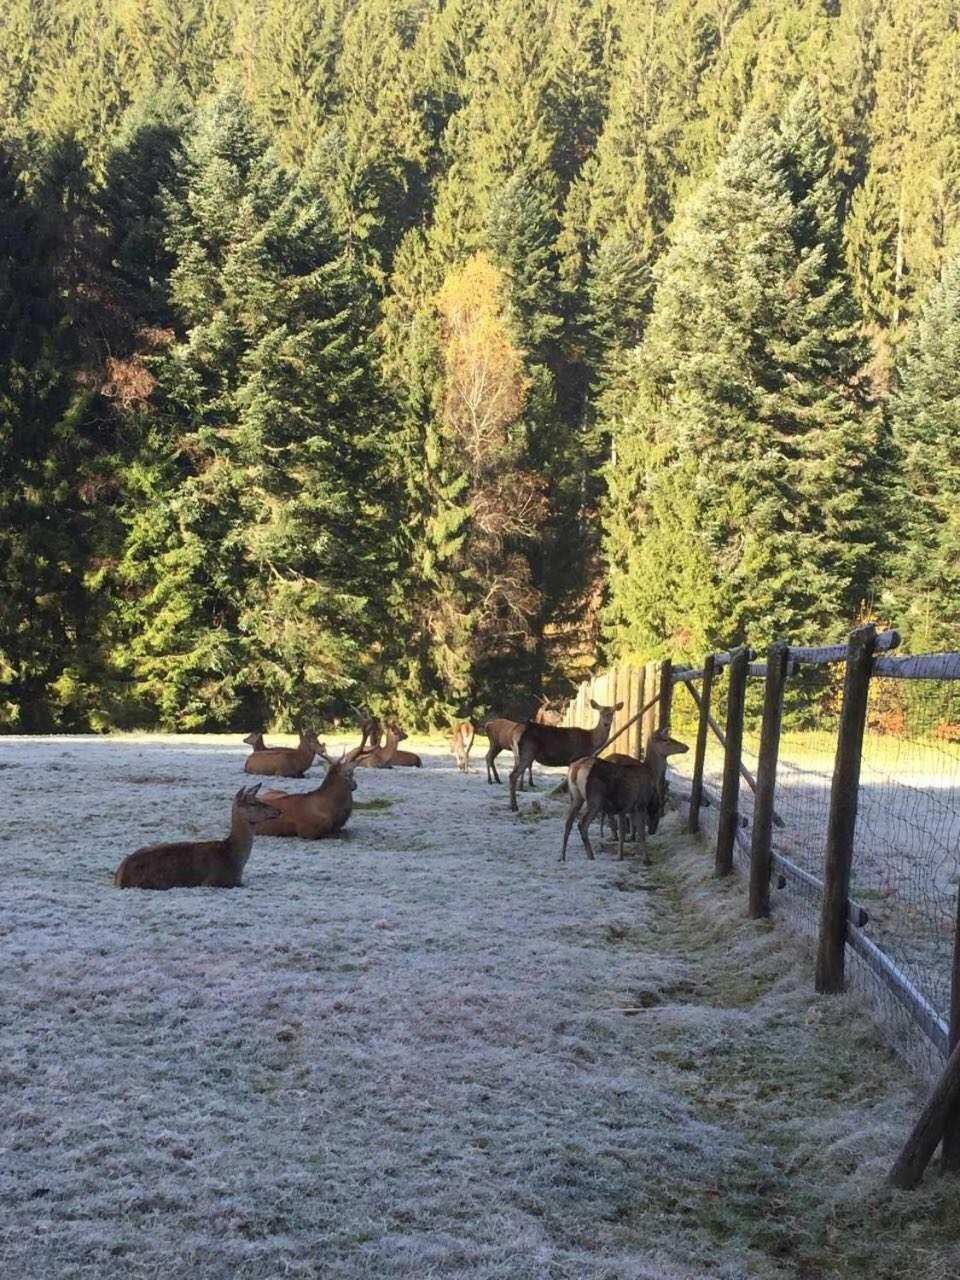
382 757
284 762
404 759
549 744
462 742
623 787
504 736
256 742
192 864
312 815
546 714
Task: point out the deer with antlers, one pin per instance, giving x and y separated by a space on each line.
193 864
314 815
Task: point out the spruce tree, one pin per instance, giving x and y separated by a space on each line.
256 546
924 592
742 475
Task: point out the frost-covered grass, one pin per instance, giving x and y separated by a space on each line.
403 1053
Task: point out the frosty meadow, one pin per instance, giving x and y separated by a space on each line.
423 1048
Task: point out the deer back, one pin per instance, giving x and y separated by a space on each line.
283 762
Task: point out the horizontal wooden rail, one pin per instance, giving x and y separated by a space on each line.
812 885
900 986
838 652
923 666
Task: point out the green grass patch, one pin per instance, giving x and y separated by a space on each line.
373 806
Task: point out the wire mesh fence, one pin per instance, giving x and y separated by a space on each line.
906 852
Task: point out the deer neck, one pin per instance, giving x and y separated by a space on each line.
658 766
240 839
600 734
389 748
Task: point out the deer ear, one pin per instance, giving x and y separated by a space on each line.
596 705
618 707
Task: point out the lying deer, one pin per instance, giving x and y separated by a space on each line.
405 759
381 757
549 744
256 742
504 736
312 815
625 788
284 762
462 742
191 864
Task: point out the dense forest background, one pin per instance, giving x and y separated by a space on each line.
428 351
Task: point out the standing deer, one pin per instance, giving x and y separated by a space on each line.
284 762
192 864
624 788
462 742
549 744
504 736
312 815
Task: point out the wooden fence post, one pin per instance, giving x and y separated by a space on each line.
700 754
636 702
927 1132
842 820
729 817
950 1156
777 657
666 694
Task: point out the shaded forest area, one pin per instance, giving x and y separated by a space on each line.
426 352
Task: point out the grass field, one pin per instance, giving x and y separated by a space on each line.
405 1052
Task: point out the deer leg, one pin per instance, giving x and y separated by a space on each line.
592 808
621 820
491 764
642 836
515 773
576 804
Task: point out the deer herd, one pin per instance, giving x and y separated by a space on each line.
629 791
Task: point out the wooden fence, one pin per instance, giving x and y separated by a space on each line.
647 695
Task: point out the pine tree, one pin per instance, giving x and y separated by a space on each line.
924 591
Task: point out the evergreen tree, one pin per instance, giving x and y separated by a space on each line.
742 477
924 591
256 546
44 611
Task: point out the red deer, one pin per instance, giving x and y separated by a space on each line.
284 762
312 815
404 759
256 742
462 742
549 744
382 757
192 864
503 735
546 714
623 787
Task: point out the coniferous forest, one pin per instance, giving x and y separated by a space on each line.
425 352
